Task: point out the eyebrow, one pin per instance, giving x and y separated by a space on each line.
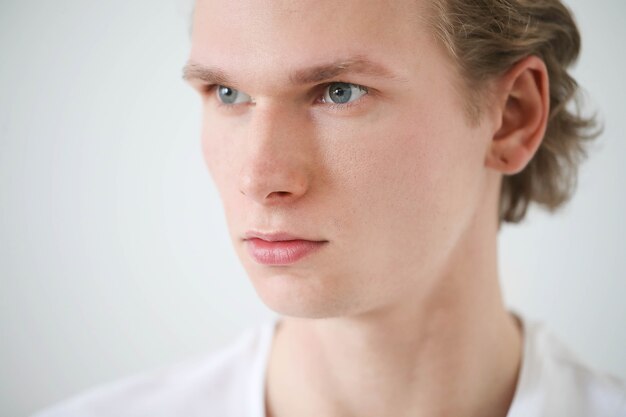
358 65
197 72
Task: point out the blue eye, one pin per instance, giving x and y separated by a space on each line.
342 93
229 95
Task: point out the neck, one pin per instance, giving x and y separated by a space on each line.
453 350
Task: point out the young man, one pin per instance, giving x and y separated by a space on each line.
366 153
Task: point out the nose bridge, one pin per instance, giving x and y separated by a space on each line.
272 134
275 168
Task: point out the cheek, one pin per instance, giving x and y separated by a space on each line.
412 181
397 161
212 153
218 149
221 155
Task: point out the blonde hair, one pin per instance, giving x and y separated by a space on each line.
487 37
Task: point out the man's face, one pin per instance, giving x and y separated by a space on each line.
384 169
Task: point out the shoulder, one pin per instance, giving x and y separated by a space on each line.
555 381
222 382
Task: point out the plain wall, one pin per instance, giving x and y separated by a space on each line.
114 256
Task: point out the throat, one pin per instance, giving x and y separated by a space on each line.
321 368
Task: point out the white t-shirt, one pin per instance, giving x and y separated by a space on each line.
230 383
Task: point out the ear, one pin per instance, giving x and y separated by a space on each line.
523 100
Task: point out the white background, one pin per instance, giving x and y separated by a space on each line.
114 257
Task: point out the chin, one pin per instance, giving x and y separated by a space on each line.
297 295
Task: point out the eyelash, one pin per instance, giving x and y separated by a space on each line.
210 89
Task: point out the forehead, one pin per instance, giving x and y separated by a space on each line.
265 39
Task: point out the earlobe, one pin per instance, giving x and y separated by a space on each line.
525 96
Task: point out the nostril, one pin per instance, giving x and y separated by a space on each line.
280 193
272 186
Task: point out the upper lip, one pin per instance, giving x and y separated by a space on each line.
273 237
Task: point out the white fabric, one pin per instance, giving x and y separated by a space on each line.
230 383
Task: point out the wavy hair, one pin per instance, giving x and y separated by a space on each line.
487 37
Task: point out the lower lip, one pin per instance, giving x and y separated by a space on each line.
284 252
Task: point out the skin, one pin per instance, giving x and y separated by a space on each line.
400 313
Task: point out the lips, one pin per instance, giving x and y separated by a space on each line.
279 248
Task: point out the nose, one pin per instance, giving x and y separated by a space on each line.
278 152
